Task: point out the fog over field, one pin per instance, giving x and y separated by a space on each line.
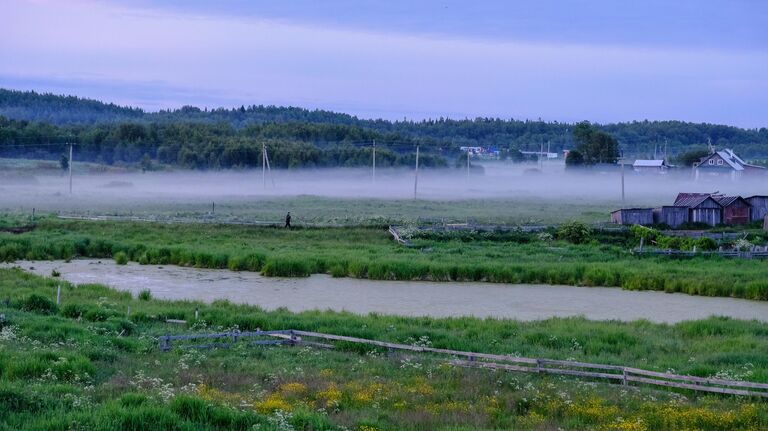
136 192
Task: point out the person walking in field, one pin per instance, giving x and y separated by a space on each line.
288 220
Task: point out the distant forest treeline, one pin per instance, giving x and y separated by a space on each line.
296 137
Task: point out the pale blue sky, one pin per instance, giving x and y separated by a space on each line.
604 61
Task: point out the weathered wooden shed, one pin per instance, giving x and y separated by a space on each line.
642 216
759 208
735 209
702 208
671 216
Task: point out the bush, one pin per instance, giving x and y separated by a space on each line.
145 295
645 233
575 232
37 303
121 258
706 244
73 311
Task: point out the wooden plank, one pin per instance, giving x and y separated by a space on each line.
714 389
507 358
224 335
492 365
703 380
176 321
581 364
509 367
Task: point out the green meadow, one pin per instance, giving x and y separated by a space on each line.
370 252
93 362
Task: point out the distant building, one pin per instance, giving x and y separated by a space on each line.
759 207
725 163
650 166
702 208
735 209
544 154
628 216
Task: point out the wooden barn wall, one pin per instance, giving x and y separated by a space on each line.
759 208
710 216
671 216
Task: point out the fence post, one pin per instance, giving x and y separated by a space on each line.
293 338
165 343
538 365
58 295
624 380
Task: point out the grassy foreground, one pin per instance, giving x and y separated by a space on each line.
371 253
89 364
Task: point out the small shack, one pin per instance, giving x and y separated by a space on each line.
702 208
759 204
671 216
735 209
629 216
650 166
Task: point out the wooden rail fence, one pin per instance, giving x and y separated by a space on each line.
616 373
753 254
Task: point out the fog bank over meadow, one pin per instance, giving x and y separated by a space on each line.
128 192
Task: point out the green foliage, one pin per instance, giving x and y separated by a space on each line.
223 138
706 244
61 372
121 258
575 232
37 303
594 145
574 158
503 257
688 158
646 233
145 295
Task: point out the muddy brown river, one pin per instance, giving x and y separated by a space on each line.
513 301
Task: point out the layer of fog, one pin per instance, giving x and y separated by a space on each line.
123 191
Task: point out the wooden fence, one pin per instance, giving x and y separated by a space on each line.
757 253
615 373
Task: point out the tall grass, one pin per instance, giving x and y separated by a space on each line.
91 365
370 253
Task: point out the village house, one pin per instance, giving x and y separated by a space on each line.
724 163
702 208
650 166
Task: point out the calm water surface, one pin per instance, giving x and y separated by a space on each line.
514 301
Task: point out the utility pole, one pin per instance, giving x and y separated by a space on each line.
467 163
541 154
416 175
70 166
622 178
264 164
665 150
374 161
269 168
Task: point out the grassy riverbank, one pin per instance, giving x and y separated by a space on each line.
88 364
371 253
